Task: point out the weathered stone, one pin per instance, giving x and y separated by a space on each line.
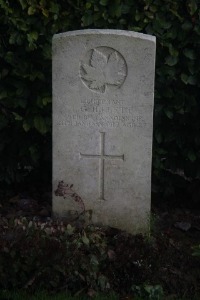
103 86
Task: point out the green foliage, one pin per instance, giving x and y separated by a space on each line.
148 292
26 32
25 88
196 250
19 295
46 256
53 255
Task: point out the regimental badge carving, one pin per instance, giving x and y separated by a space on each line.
103 68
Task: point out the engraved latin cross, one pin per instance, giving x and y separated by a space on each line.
102 157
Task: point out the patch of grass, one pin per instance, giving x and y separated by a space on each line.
21 295
86 261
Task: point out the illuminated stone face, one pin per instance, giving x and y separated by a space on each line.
103 91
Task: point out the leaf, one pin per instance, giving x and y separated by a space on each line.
191 155
184 78
169 114
94 260
45 12
173 51
88 5
31 11
184 226
153 8
192 7
70 229
164 24
171 60
103 282
17 116
32 36
175 13
103 2
12 38
189 53
192 80
87 20
26 126
85 239
34 153
54 8
40 124
158 137
196 250
111 254
46 100
192 68
125 8
137 17
187 26
115 10
30 224
23 4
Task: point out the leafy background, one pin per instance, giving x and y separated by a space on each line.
26 30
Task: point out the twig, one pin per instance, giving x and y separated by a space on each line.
65 190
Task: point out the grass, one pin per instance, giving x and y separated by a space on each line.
21 295
6 295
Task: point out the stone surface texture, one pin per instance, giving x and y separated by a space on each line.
103 91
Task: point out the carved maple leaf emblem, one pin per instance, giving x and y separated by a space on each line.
104 70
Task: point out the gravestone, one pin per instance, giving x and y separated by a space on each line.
103 90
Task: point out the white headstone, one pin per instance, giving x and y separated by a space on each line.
103 91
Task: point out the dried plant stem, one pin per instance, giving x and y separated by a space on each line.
65 190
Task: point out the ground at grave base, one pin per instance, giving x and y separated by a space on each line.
112 261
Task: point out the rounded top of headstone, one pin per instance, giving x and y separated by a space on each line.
125 33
